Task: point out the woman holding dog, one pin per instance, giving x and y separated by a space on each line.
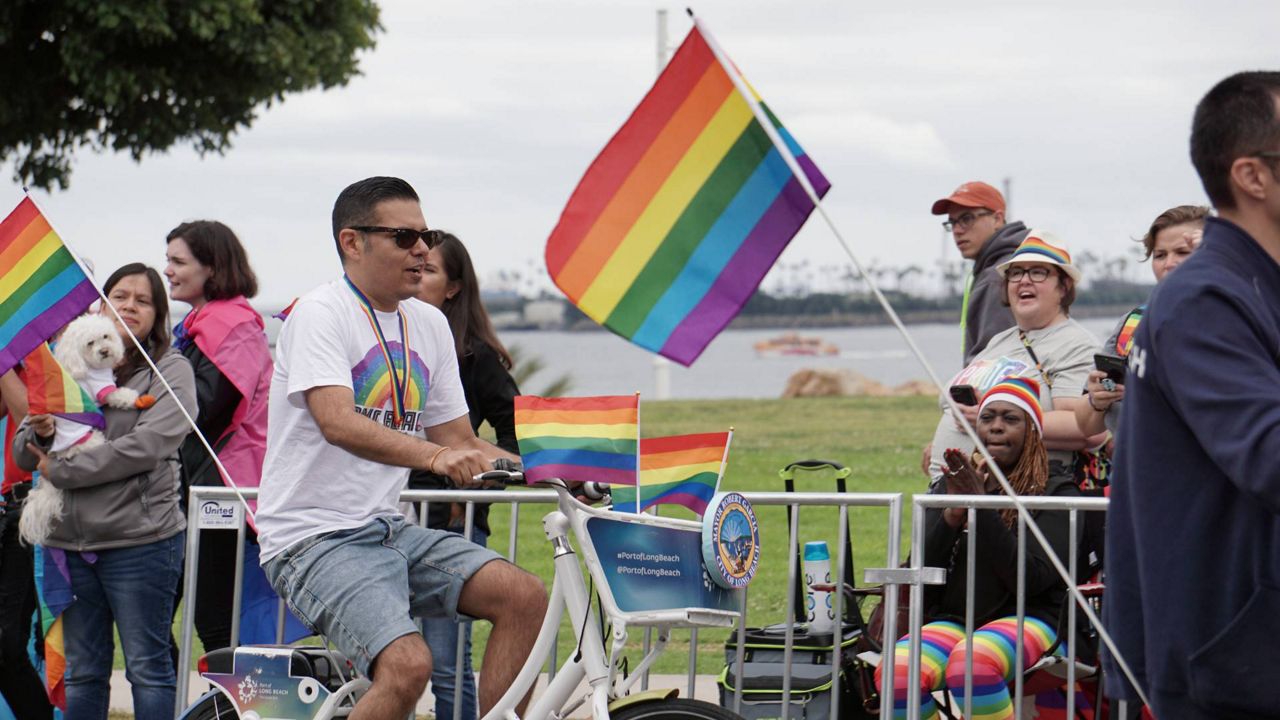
1011 424
121 529
223 338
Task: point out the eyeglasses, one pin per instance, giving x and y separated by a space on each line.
1269 155
965 220
405 238
1037 274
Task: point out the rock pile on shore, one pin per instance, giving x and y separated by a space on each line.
834 382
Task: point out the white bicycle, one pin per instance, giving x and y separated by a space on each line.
648 571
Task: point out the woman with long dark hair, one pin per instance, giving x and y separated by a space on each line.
1010 424
449 283
121 529
223 338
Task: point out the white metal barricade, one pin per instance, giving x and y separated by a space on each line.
212 507
972 503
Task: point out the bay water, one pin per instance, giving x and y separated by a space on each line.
601 363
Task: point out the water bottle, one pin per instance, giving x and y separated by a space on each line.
819 601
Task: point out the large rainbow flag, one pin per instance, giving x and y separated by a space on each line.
675 224
42 287
680 469
579 439
52 391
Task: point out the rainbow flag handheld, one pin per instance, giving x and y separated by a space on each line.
52 391
680 469
588 438
42 287
675 224
53 589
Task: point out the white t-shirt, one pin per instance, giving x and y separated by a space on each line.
308 486
1066 353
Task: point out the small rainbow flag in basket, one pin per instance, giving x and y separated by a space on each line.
679 469
579 439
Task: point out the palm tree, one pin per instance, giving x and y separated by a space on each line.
524 368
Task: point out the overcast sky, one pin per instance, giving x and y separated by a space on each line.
493 110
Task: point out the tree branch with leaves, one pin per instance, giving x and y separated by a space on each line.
141 76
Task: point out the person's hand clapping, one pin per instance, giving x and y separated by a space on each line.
961 479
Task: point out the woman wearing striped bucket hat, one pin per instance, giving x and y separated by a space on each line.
1044 344
1011 424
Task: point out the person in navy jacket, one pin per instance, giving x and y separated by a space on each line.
1193 536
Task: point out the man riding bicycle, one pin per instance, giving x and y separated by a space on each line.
362 370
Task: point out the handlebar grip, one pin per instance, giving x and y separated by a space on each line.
507 465
505 477
507 472
594 491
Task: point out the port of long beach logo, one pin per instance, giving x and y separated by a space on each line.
731 540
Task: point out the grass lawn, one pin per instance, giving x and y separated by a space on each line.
878 438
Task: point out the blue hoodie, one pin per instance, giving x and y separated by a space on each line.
1193 533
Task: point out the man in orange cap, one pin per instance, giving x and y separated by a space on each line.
975 217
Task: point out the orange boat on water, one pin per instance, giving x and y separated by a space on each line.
795 344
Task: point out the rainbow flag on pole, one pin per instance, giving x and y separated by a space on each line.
680 469
675 224
579 439
52 391
42 286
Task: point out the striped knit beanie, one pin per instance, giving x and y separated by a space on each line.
1023 392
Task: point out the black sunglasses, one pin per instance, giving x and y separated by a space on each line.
405 238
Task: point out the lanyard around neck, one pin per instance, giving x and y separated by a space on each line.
399 384
1040 368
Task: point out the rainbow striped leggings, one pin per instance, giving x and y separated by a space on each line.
942 660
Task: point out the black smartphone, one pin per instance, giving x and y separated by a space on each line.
964 394
1112 365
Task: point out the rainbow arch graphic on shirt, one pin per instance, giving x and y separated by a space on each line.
371 381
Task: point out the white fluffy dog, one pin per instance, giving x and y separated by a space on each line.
88 350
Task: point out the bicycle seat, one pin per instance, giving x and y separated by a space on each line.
330 668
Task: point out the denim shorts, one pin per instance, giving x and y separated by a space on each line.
361 587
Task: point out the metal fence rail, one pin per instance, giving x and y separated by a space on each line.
972 503
892 503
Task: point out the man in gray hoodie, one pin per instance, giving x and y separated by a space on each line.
976 218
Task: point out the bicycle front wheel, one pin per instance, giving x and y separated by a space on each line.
213 706
675 709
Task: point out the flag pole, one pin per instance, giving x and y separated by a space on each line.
638 452
143 352
724 460
740 84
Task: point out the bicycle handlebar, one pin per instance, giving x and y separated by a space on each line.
509 472
504 472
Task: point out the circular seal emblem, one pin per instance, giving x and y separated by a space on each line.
730 540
